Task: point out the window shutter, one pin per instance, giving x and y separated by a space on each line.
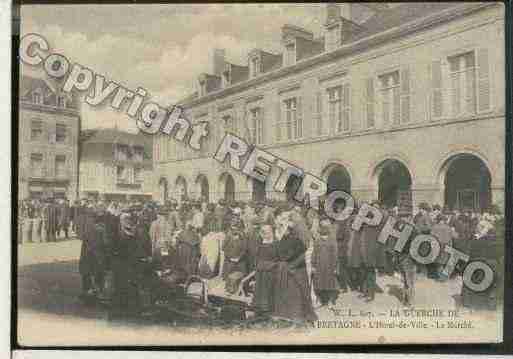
68 135
262 125
51 134
299 118
369 103
405 96
436 90
277 121
319 128
346 103
483 80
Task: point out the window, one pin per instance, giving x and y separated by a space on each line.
60 133
256 126
121 153
60 166
226 79
137 174
338 108
36 130
203 88
37 96
121 173
36 164
291 126
138 153
255 66
463 83
390 99
333 38
290 54
61 101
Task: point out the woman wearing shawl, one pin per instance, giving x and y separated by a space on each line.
264 264
292 293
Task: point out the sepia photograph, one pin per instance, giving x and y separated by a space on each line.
260 174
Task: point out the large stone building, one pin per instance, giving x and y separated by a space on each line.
115 165
402 103
49 123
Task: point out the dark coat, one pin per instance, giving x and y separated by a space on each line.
64 214
188 252
264 286
342 237
373 252
235 248
324 261
50 218
292 296
354 249
91 247
254 241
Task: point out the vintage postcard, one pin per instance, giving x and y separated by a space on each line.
260 174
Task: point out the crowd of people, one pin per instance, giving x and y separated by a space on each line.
289 258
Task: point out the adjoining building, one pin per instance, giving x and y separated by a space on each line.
49 124
115 165
403 104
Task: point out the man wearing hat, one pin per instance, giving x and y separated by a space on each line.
127 251
373 255
324 264
160 232
422 219
235 254
220 214
173 217
187 251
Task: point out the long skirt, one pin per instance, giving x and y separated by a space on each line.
263 299
292 295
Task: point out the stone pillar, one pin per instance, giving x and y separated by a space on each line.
498 197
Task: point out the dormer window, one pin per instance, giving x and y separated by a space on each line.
203 88
37 96
290 54
61 101
255 66
333 37
226 78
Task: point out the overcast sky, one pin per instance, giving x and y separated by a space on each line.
160 47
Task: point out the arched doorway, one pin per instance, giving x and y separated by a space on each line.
227 187
337 178
394 184
467 183
258 193
203 187
181 188
163 189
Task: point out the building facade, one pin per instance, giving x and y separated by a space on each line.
401 104
49 123
115 165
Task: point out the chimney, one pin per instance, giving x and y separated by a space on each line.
333 12
219 62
